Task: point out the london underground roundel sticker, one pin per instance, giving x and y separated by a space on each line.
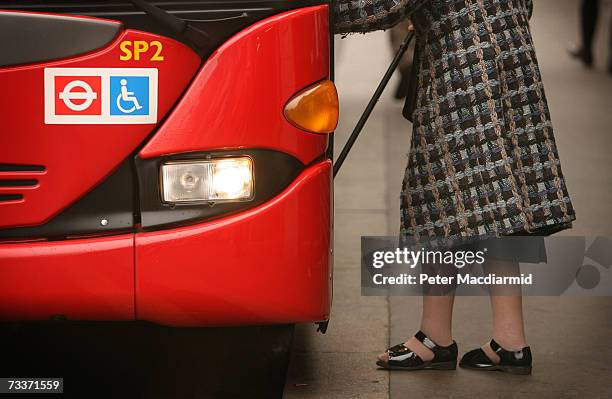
100 95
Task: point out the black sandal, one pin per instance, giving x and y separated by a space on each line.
517 362
402 358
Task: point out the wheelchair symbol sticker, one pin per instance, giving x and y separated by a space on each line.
129 95
101 95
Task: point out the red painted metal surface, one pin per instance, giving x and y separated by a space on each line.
270 264
237 98
89 279
76 157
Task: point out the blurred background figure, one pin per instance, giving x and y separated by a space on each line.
589 18
397 35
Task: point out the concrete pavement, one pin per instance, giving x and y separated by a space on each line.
562 331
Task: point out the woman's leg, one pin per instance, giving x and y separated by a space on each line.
590 14
507 306
436 323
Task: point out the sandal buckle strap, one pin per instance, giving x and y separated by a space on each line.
425 340
495 346
518 355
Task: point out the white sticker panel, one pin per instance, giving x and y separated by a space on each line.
100 96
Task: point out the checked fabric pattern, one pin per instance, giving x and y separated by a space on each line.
370 15
483 160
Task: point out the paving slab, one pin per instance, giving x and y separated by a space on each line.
316 375
348 229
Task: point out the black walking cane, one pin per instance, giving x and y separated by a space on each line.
373 101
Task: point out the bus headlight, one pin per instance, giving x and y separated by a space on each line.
215 180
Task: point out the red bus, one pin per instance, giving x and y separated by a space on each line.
166 162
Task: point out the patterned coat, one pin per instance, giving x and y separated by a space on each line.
483 160
351 16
